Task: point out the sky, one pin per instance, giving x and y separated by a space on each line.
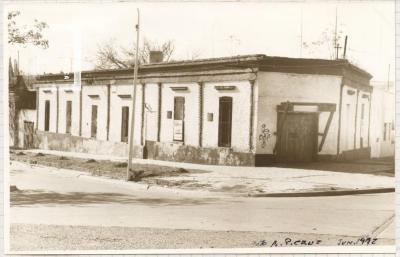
210 29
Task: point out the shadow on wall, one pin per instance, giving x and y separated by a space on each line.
33 197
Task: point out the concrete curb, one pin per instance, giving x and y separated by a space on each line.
326 193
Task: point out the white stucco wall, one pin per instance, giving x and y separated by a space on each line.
52 97
383 111
64 96
275 88
353 128
116 104
87 103
191 115
241 101
151 113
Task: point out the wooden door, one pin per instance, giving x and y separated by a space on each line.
179 119
93 129
298 137
125 124
68 119
225 122
47 116
28 134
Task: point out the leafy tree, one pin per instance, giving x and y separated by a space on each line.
24 35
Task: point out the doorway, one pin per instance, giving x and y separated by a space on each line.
298 137
28 134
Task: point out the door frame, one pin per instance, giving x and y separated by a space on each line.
280 127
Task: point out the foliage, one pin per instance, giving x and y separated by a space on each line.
325 44
23 35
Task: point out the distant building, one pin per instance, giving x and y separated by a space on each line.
383 116
242 110
22 108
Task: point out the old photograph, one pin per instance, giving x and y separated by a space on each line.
145 125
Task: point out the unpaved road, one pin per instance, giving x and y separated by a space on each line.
62 210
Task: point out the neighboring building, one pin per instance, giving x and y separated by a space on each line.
243 110
22 108
383 116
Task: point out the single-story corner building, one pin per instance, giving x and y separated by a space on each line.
242 110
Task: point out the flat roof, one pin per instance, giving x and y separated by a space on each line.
260 62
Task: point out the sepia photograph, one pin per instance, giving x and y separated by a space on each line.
219 126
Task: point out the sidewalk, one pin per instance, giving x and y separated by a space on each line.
251 180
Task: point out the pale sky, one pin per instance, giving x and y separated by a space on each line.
211 29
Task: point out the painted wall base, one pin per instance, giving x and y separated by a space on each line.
173 151
356 154
153 150
65 142
184 153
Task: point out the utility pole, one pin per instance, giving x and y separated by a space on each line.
345 48
335 44
135 74
388 78
337 47
301 33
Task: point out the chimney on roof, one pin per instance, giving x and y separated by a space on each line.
156 57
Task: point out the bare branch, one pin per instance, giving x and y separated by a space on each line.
109 55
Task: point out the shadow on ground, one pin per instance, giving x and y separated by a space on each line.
34 197
383 167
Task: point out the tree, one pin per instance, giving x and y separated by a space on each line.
110 56
23 35
325 44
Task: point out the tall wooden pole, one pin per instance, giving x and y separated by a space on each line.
335 39
135 74
345 48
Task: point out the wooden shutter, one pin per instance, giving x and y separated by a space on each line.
225 122
125 124
93 131
68 117
47 115
179 117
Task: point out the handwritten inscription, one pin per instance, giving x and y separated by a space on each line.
360 241
264 136
363 241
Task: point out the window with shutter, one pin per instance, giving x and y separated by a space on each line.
179 117
47 115
68 118
93 130
125 124
225 122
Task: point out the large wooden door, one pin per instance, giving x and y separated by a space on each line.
298 137
28 134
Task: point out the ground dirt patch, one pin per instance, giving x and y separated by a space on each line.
100 167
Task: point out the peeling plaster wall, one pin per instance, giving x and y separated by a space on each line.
64 142
203 155
275 88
